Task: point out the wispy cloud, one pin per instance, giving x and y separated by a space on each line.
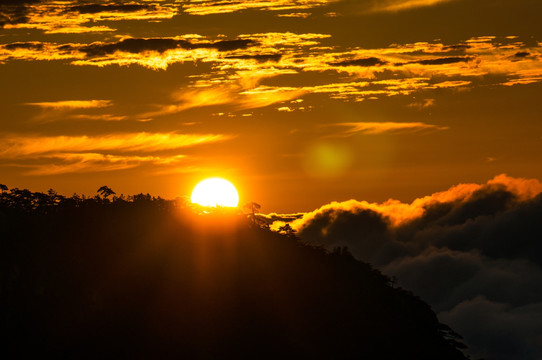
25 146
72 104
73 110
220 6
302 15
402 5
64 163
52 155
99 117
241 93
353 128
422 104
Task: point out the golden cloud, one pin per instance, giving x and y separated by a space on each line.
382 127
241 93
423 104
399 213
239 66
302 15
523 188
32 146
93 162
67 109
50 155
100 117
72 104
221 6
34 50
401 5
70 17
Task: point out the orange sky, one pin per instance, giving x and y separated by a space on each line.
298 103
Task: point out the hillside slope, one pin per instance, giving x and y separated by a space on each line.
143 278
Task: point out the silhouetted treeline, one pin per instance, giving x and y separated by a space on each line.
142 277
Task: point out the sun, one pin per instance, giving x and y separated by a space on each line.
215 192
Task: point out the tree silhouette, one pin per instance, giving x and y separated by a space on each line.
253 208
451 336
287 229
3 188
105 191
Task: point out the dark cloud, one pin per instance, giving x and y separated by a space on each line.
258 58
67 47
474 249
226 45
370 61
456 47
24 45
522 54
160 45
14 11
437 61
134 46
445 278
512 230
510 332
98 8
444 60
365 232
486 201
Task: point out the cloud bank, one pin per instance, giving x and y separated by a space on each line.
73 17
236 65
222 7
473 252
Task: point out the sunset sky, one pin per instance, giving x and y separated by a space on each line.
298 103
408 130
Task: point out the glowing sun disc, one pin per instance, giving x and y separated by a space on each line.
215 192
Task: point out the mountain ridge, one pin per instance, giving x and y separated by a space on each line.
144 277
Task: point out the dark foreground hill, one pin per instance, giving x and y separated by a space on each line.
145 279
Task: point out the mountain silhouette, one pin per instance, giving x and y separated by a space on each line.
142 277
